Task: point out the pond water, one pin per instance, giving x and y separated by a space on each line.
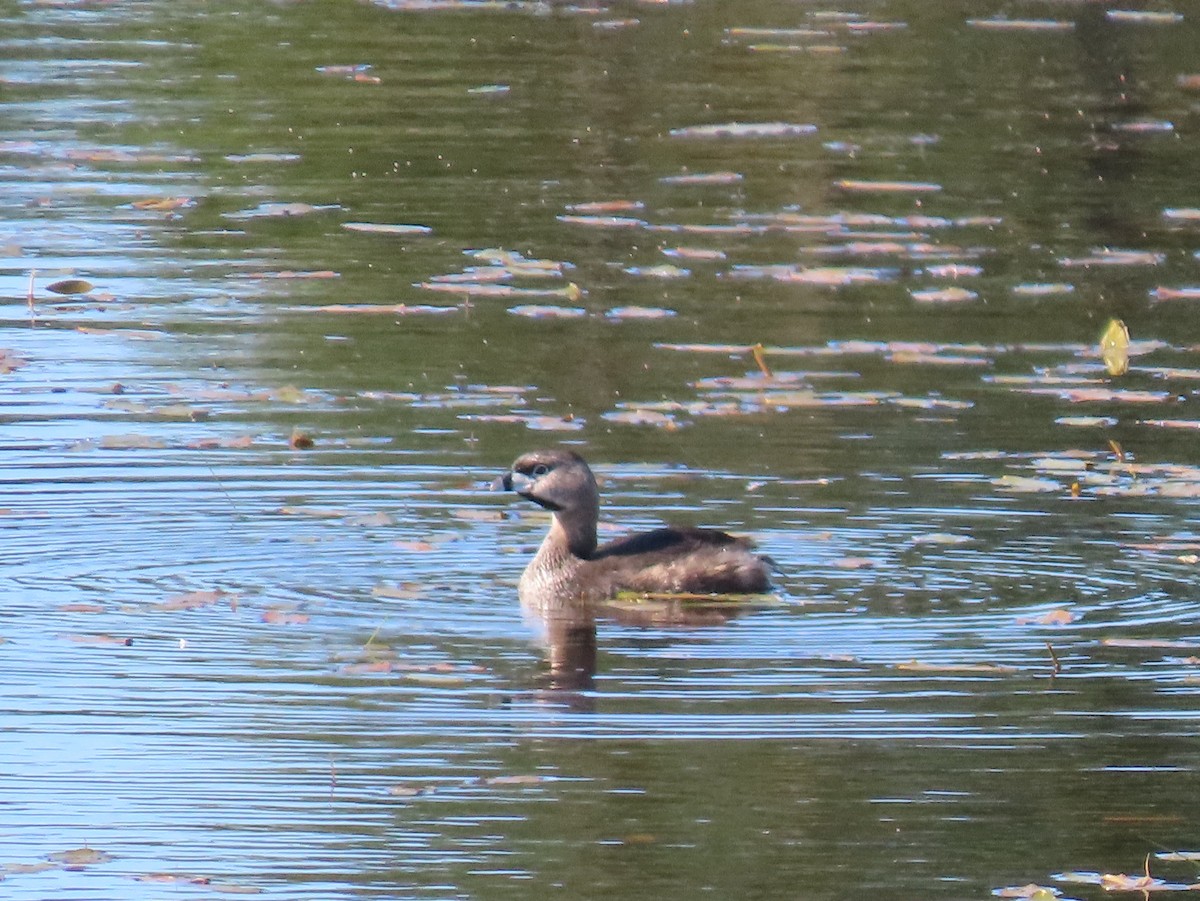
423 236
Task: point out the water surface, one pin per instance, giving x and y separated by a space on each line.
304 671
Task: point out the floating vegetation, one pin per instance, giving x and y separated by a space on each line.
389 309
1114 348
1042 289
603 221
664 271
281 210
296 274
478 289
345 71
163 204
1110 257
1145 126
70 286
1034 25
1190 292
607 206
745 130
789 34
616 24
379 228
622 313
703 178
534 421
942 295
696 254
825 276
542 311
280 157
953 271
1143 17
1087 422
861 186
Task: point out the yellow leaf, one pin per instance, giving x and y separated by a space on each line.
70 286
1114 348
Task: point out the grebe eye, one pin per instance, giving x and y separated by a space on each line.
540 470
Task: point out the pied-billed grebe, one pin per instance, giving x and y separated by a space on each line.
569 564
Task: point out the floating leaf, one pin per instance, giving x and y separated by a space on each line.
1025 484
1110 257
854 563
919 667
1114 348
371 520
280 210
538 311
745 130
291 273
1052 618
1145 126
379 228
931 403
694 253
953 271
490 89
514 780
607 206
237 442
943 295
1190 292
70 286
1121 882
603 221
23 868
408 591
99 641
1103 395
9 363
828 276
1032 891
262 157
134 333
664 271
80 857
300 440
1147 643
1042 289
703 178
1087 421
943 538
131 441
163 204
1184 856
194 600
1002 24
315 512
643 417
368 309
1172 423
82 608
886 187
345 70
283 617
1143 17
621 313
